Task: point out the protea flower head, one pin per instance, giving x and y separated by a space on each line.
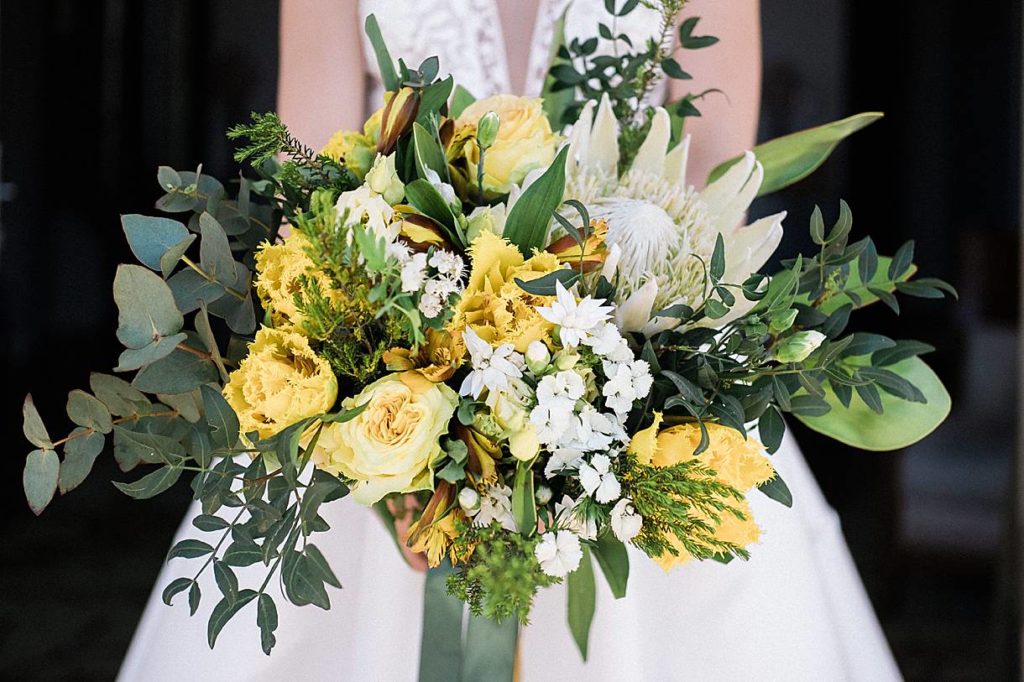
657 223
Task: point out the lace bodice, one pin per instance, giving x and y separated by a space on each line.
467 38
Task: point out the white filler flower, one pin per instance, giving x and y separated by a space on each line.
575 319
598 481
492 367
626 523
559 553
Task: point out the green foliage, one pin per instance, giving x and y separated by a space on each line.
681 504
501 577
527 223
582 602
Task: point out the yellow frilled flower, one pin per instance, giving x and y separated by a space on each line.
279 268
493 305
356 149
436 360
391 445
281 381
737 462
524 141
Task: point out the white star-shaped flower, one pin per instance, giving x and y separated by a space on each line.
492 367
495 505
626 523
575 319
568 517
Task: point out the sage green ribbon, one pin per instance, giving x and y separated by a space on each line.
457 646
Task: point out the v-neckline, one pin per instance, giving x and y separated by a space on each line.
539 43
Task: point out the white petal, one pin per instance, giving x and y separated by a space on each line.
611 262
651 156
675 163
733 213
579 138
633 313
750 247
722 192
603 152
659 324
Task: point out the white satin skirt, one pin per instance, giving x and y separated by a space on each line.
795 611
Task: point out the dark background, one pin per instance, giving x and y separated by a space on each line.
95 94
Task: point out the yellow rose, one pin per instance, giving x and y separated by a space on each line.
737 462
356 150
391 445
493 305
524 142
281 381
279 268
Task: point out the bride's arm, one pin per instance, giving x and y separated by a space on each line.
320 86
728 124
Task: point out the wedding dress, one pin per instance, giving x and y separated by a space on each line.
795 611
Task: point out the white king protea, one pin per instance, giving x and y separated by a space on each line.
657 222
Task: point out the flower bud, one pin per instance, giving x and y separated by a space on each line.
469 500
446 191
383 179
487 129
543 494
537 357
485 219
797 347
397 118
565 359
783 320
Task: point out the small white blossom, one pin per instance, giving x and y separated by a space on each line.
562 459
559 553
442 287
597 431
398 251
561 389
469 500
495 505
605 339
575 319
447 263
626 382
430 305
552 422
446 191
626 523
414 273
369 208
598 481
492 367
537 356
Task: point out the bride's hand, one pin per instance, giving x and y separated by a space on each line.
403 519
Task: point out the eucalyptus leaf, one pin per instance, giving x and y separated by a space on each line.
39 479
32 425
80 452
146 308
171 256
135 358
179 372
214 251
120 397
190 290
461 99
150 238
151 484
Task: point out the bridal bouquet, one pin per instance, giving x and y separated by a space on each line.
513 320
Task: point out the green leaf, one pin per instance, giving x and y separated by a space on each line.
32 425
303 582
224 611
613 559
215 252
171 257
717 267
461 99
673 70
793 157
527 223
386 65
150 238
581 601
316 558
39 479
266 620
428 153
901 424
775 488
557 101
900 351
209 523
202 322
222 419
194 595
151 448
242 554
864 293
120 397
146 308
771 427
191 289
179 372
177 585
425 198
135 358
80 452
433 98
187 404
190 548
546 285
151 484
524 507
345 415
226 580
